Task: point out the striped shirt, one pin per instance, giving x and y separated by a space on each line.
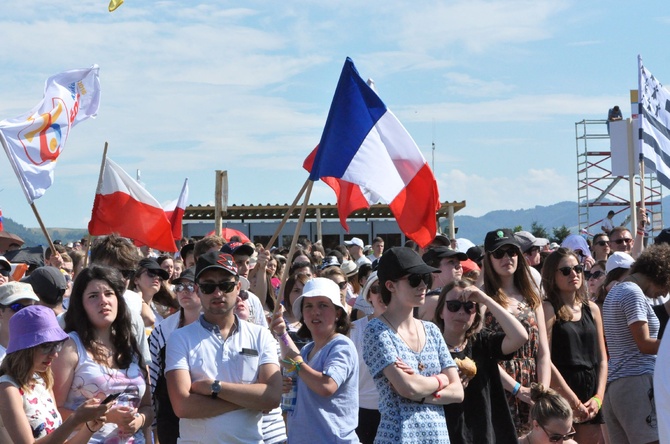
624 305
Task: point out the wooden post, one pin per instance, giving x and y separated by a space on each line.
220 199
288 214
294 242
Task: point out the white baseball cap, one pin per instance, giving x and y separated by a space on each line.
354 241
619 259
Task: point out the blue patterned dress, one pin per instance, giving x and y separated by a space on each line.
404 420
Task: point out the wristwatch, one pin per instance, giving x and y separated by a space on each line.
216 388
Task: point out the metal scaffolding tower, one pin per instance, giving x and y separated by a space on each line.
598 187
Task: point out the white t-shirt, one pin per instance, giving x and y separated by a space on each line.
607 225
134 303
200 349
3 353
257 312
662 390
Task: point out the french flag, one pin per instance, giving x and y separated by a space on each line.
174 211
124 207
364 144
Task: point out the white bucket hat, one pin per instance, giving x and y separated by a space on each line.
315 288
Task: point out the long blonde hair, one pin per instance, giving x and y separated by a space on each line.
19 365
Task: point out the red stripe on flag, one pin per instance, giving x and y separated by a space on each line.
119 213
416 206
349 196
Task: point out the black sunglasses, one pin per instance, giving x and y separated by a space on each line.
555 437
5 273
565 271
154 274
455 305
342 285
500 253
628 240
127 274
594 275
415 280
182 287
209 288
601 243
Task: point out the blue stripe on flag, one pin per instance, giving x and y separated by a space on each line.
355 110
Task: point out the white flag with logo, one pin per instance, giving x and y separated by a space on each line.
35 140
654 111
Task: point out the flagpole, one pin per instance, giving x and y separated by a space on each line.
25 191
274 237
294 242
97 190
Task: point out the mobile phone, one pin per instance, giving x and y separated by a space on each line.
110 398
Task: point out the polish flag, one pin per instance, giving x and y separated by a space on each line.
174 211
124 207
364 144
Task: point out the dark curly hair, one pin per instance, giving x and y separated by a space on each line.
77 320
654 263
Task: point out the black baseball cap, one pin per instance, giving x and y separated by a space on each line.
498 238
186 275
215 259
237 248
400 261
436 253
152 264
48 283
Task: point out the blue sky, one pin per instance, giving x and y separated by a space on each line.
191 87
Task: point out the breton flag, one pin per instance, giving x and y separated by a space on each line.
654 112
33 141
174 211
122 206
363 143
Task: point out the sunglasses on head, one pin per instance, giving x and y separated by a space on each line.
209 288
455 306
51 347
555 437
500 253
415 280
182 287
627 240
601 243
594 275
565 271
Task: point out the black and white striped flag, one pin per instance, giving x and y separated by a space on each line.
654 111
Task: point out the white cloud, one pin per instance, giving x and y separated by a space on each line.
483 193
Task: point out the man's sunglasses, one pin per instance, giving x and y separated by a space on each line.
181 287
209 288
627 240
415 280
555 437
500 253
455 306
565 271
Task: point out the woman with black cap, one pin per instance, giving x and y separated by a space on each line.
408 358
507 281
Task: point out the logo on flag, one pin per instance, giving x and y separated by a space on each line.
34 141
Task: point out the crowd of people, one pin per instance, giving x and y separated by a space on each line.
517 340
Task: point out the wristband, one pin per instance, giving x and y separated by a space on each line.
89 429
284 338
640 232
440 385
598 401
516 388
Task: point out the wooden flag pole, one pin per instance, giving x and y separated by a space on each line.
97 190
44 229
274 237
294 242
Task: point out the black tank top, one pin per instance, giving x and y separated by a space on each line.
575 344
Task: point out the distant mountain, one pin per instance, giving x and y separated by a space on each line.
34 236
469 227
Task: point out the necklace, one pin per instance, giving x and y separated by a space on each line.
459 348
421 366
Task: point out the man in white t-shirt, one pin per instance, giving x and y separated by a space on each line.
355 246
221 372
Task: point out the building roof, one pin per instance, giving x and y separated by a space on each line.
328 211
